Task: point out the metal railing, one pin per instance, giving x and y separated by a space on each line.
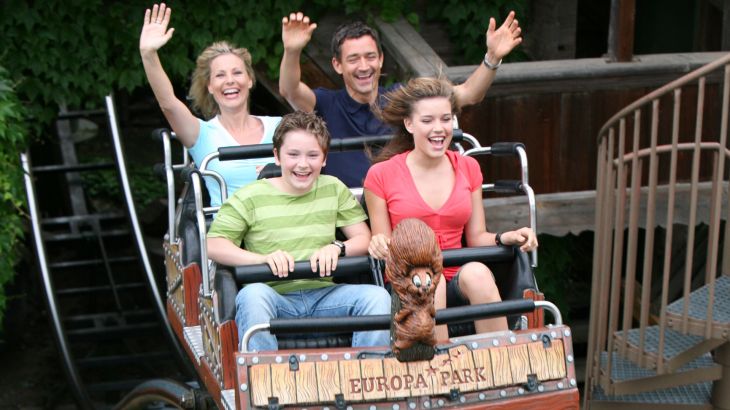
653 178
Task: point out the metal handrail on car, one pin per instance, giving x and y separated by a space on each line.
383 322
169 169
508 149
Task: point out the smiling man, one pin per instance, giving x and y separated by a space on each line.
358 57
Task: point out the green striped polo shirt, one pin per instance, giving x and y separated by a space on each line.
266 219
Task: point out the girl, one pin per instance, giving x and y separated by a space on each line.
417 176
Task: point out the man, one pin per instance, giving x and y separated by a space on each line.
293 217
357 56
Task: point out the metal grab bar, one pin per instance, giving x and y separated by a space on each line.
382 322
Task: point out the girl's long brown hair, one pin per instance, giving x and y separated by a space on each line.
399 106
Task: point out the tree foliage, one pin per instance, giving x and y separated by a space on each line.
12 141
467 22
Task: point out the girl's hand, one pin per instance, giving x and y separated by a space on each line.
378 247
525 238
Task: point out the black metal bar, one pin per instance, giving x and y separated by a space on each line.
336 145
380 322
354 265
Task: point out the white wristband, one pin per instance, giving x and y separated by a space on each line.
490 65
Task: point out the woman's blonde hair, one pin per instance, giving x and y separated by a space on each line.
202 100
399 106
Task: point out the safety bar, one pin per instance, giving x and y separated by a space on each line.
353 265
382 322
164 135
509 149
336 145
195 180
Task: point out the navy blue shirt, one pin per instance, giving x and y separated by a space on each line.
346 118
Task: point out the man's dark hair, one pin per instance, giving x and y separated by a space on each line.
355 29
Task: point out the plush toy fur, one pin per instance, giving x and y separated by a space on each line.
414 267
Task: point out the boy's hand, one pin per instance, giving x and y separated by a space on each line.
280 263
325 260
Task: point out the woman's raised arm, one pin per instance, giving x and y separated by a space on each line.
155 35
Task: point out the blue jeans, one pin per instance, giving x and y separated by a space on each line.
258 303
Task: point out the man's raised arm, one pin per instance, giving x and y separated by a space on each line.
499 43
296 31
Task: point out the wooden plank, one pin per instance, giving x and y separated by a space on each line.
306 378
538 361
283 384
519 362
483 367
441 365
260 377
398 372
350 371
555 355
228 337
373 380
328 381
409 49
462 364
419 371
574 212
500 366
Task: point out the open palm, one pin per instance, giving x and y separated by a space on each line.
501 41
154 29
296 31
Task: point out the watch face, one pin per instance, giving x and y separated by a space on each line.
341 245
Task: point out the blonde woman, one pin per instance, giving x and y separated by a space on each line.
220 91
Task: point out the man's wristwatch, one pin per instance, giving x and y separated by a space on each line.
340 245
490 65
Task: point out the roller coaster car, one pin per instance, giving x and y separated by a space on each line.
529 366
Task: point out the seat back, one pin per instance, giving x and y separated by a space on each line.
513 277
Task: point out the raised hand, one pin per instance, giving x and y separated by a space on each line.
296 31
501 41
154 28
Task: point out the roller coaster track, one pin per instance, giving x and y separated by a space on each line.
105 309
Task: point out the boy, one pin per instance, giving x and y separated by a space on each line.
293 217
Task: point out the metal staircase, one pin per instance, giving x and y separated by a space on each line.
107 316
660 310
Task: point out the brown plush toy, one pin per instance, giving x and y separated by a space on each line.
413 267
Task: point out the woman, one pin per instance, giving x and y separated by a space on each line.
417 176
220 90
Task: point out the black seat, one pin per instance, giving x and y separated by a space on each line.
513 278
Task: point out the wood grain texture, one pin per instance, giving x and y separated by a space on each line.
328 381
501 366
306 379
260 376
519 363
